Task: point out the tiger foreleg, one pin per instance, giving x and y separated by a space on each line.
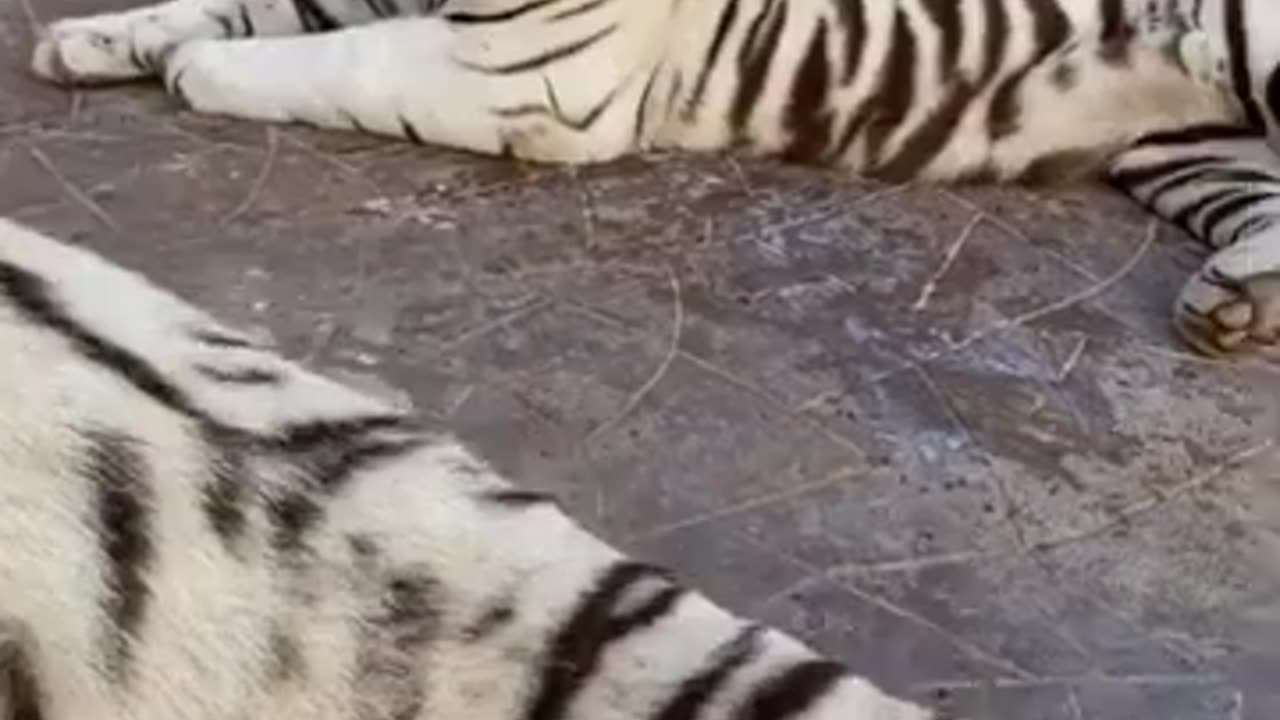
423 79
1221 184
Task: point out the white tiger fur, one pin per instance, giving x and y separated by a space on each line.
197 529
1170 100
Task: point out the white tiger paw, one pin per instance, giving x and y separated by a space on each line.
1232 306
100 49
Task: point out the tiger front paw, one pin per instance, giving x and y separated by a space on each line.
100 49
1232 306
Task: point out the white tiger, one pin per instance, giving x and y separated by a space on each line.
196 529
1170 100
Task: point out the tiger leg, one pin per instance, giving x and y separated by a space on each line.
1222 185
127 45
477 87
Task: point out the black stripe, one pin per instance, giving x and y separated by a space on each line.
287 663
1256 224
144 64
1153 195
1187 308
32 296
524 110
316 434
314 17
996 41
240 376
225 493
378 9
118 472
1052 28
336 464
495 617
23 694
571 13
1238 52
580 644
517 499
219 338
326 454
1273 95
1222 213
1212 275
547 57
555 110
246 22
638 127
945 15
363 549
853 21
392 641
411 132
673 92
594 113
697 691
754 62
292 515
224 23
409 612
792 692
807 117
1210 174
1251 177
1113 22
463 17
354 121
1193 134
174 86
930 138
1183 216
1132 179
900 55
1115 38
892 101
727 15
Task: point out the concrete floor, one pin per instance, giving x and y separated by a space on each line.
944 435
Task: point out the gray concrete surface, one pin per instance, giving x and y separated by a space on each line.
944 435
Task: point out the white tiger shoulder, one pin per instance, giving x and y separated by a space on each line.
196 528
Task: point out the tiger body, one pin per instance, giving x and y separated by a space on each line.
901 89
1171 101
197 529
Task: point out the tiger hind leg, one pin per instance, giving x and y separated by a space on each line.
427 80
1221 183
129 45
